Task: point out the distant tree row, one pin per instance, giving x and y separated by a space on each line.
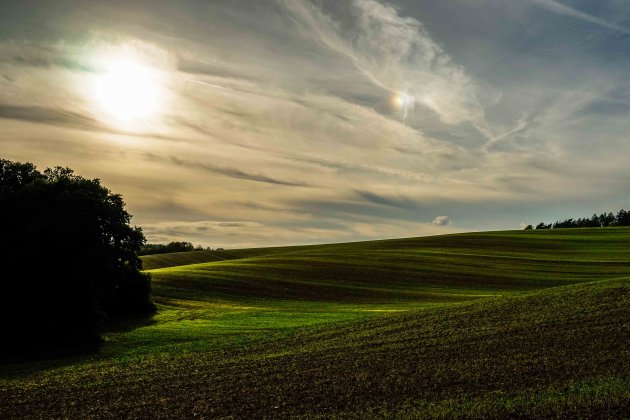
150 249
622 218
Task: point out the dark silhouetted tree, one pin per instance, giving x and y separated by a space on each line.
623 218
606 219
595 221
69 259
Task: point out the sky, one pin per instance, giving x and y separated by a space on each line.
277 122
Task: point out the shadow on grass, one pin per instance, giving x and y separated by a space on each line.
68 353
129 323
61 352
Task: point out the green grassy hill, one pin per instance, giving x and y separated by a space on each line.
496 324
397 274
151 262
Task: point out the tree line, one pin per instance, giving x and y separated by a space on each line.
150 249
622 218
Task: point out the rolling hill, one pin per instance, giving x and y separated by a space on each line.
493 324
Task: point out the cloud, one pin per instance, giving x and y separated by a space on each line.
396 53
228 171
43 55
280 114
343 167
69 119
563 9
395 201
195 231
201 67
550 110
442 221
614 103
235 234
245 234
44 115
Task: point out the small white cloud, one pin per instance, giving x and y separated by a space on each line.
442 221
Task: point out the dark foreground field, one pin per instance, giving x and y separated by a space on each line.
508 324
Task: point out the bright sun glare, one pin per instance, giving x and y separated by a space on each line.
127 90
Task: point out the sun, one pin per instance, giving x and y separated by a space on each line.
127 91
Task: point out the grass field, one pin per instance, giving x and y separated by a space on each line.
495 324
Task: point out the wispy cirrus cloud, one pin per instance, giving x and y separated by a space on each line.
396 53
285 119
384 200
563 9
44 55
227 171
45 115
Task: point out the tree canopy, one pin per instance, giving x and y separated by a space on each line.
69 256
